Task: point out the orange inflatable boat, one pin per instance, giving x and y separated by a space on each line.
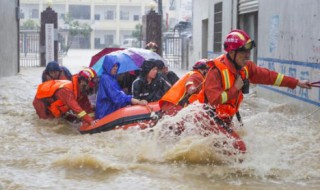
124 118
148 116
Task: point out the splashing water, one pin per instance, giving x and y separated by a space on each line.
282 153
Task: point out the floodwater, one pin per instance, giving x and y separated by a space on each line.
283 144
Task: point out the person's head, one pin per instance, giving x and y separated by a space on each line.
53 70
110 65
201 66
149 69
162 68
152 46
238 45
88 80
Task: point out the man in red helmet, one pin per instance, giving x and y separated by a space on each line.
185 90
229 78
55 98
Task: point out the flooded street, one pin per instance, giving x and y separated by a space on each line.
283 147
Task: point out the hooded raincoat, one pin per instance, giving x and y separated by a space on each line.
110 97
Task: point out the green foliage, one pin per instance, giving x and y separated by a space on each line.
29 25
137 32
75 28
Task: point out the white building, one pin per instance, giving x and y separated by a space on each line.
112 21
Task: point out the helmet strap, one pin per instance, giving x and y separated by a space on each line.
233 61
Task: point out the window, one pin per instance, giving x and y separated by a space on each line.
96 17
108 40
217 30
172 5
21 14
109 15
124 15
136 17
34 13
80 11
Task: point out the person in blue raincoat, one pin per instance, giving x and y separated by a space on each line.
110 97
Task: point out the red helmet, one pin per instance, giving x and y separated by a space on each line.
89 75
238 40
201 64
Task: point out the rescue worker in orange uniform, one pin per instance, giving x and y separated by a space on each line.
229 78
55 98
185 90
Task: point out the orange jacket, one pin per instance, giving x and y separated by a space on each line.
219 91
229 106
178 91
62 95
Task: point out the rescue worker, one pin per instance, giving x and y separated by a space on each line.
186 90
149 86
54 71
229 78
54 98
110 96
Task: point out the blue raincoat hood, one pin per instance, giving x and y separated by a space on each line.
108 63
110 96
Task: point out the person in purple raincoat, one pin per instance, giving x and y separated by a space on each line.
110 97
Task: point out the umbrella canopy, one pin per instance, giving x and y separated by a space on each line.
125 62
103 52
146 54
129 59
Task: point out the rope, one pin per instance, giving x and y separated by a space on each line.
306 116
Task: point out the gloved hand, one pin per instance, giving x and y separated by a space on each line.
87 119
191 90
239 83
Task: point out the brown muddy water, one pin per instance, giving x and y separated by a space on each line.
283 144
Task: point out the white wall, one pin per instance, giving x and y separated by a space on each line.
204 10
289 42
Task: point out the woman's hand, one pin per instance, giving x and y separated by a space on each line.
139 102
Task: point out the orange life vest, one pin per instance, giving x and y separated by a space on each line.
228 107
178 90
49 88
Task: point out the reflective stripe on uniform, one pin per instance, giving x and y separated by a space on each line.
278 80
226 78
224 97
81 114
246 72
188 83
91 114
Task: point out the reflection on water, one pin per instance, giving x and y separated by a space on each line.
283 150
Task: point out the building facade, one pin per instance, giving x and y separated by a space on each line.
112 21
287 39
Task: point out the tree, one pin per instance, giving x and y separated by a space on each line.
75 28
29 25
137 32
